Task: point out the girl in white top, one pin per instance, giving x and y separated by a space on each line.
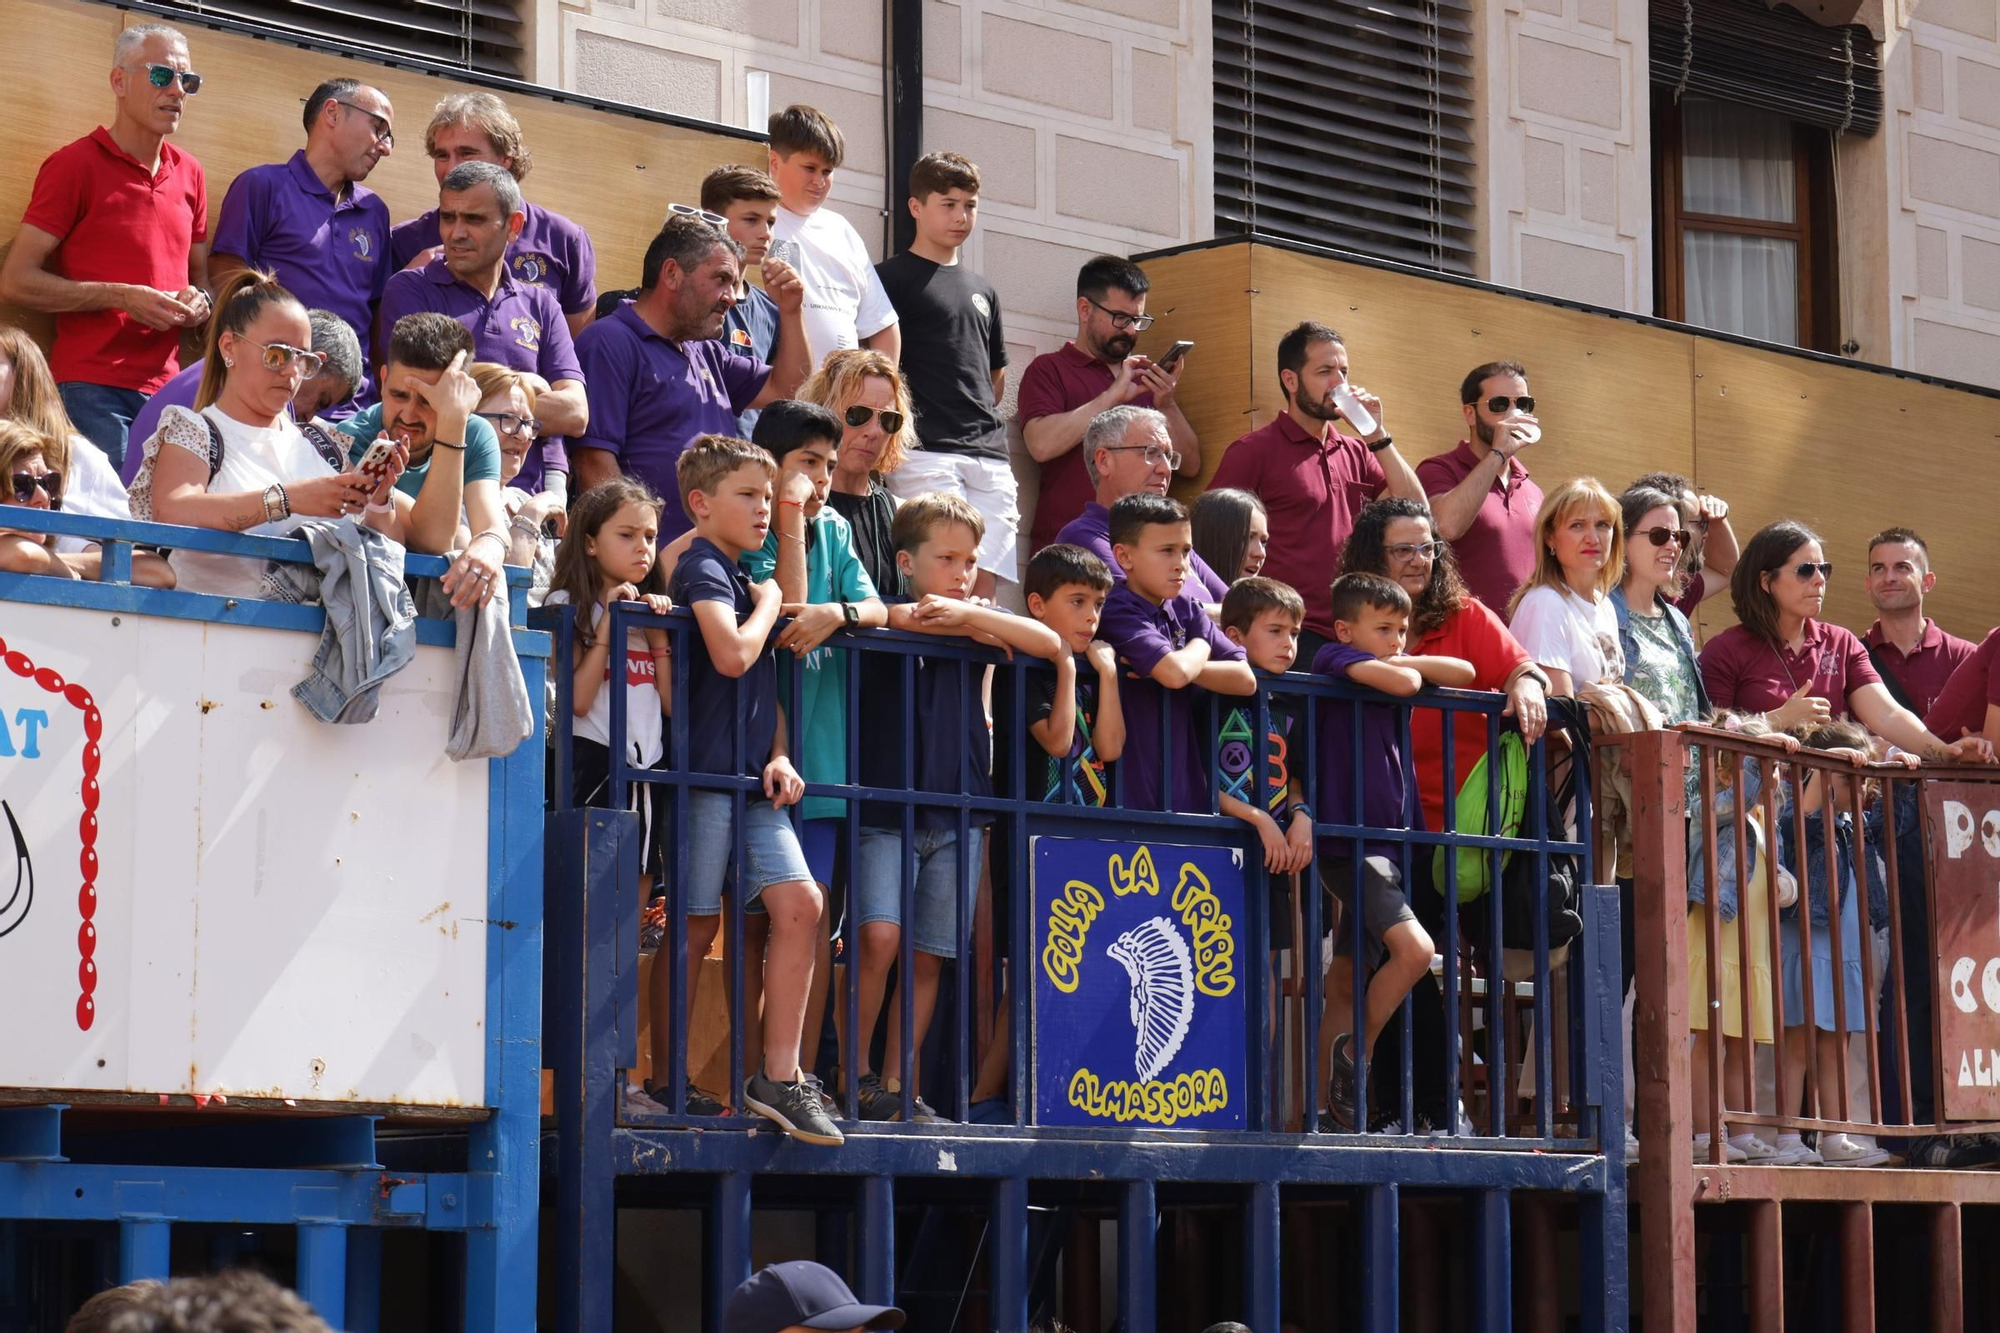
1563 614
272 477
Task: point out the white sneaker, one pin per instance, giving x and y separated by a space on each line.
1791 1150
1731 1154
1755 1150
1851 1150
1631 1146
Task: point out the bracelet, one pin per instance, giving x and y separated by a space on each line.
1300 808
386 507
496 535
1381 444
662 654
447 444
796 504
527 527
273 502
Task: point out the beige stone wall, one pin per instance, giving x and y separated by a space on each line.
1090 121
1564 169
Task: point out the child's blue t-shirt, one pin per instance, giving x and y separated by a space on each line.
715 701
1384 796
951 747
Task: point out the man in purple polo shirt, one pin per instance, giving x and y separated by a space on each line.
1915 657
1482 500
550 252
658 374
309 220
513 323
1127 450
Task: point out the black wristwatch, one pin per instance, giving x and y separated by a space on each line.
851 613
1381 444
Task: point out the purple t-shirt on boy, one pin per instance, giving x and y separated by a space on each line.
1384 796
550 252
1142 634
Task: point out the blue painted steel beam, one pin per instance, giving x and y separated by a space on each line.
31 1134
364 1280
875 1246
1490 1264
1008 1280
322 1269
1379 1291
727 1242
1603 1248
144 1244
78 1192
1138 1254
1263 1273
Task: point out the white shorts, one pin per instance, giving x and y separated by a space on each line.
988 483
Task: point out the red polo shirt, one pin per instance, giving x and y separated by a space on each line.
1923 673
1054 383
115 221
1961 705
1311 489
1743 672
1497 553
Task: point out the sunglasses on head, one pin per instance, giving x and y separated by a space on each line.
685 211
163 76
1661 536
858 415
1498 405
279 357
1805 569
27 483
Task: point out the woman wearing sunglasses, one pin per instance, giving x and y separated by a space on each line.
1660 658
31 471
1781 660
863 389
239 463
28 395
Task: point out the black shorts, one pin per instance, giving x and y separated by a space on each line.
590 780
1383 902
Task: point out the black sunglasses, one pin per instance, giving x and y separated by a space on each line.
858 415
163 76
1661 536
27 483
1805 569
1498 405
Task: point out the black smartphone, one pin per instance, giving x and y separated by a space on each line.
1173 356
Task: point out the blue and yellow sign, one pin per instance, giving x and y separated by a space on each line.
1141 953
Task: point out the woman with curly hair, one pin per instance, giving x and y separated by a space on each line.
864 390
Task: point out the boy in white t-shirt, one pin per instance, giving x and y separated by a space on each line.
845 303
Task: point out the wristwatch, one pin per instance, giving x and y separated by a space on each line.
851 613
1381 444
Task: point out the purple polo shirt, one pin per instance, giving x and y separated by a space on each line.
649 397
1384 799
333 254
1961 705
1142 634
1092 531
550 252
1497 553
1744 672
176 392
1924 673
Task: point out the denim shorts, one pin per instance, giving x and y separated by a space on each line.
769 845
878 884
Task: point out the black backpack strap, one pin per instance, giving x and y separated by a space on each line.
1880 657
325 445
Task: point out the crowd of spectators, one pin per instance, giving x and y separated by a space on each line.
823 451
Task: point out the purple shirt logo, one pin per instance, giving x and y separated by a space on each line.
364 244
527 332
531 268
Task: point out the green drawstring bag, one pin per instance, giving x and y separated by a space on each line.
1475 864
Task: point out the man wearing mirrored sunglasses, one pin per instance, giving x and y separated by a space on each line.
311 222
114 243
1482 498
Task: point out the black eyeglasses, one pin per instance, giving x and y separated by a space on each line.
1498 405
48 483
280 357
858 415
1805 569
1661 536
1154 454
1404 552
510 423
163 76
384 134
685 211
1121 321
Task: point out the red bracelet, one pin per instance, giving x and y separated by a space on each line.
796 504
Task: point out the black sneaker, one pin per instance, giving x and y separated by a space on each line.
697 1102
795 1108
1340 1085
922 1114
876 1102
1952 1152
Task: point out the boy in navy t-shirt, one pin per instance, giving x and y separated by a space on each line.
732 684
937 544
1371 623
1074 720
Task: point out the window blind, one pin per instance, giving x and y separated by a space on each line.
482 35
1347 124
1745 52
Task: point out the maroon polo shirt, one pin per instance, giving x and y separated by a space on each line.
1311 489
1745 673
1497 553
1961 705
1923 673
1054 383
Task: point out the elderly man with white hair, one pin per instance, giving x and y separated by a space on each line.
1127 450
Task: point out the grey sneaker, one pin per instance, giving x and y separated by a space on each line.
795 1108
922 1114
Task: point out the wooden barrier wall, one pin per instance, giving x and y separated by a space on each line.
615 175
1847 451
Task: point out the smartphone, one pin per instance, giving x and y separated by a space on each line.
376 460
1174 354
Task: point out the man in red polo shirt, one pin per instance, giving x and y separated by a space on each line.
1915 657
1482 498
1312 479
115 243
1063 391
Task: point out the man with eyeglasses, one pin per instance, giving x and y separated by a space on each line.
114 243
1128 450
1482 499
513 323
1063 391
310 221
1312 479
657 372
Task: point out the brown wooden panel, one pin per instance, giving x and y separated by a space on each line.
1204 296
614 175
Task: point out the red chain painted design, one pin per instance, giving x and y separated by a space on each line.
86 897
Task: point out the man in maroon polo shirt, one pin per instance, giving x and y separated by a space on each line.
115 243
1915 657
1312 479
1482 500
1064 390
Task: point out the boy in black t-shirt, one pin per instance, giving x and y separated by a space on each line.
955 362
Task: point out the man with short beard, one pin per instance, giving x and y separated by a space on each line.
1311 478
658 374
1482 497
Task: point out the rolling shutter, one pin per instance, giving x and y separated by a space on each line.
482 35
1776 59
1347 124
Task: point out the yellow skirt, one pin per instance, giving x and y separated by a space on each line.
1753 911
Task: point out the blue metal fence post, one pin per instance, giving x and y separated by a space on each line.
728 1243
1603 1251
1379 1288
143 1245
875 1247
1263 1279
1490 1268
1009 1279
1138 1277
323 1269
364 1279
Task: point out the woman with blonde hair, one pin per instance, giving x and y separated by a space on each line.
864 390
535 522
33 474
28 395
1563 614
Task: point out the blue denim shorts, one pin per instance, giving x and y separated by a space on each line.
770 847
878 884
